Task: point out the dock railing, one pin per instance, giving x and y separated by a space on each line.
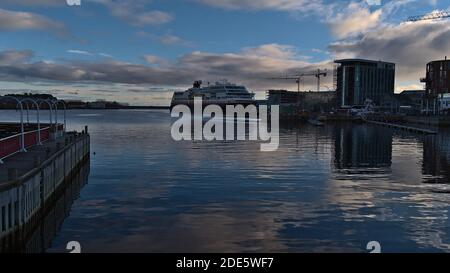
11 145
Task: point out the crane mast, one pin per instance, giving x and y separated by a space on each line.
431 16
298 78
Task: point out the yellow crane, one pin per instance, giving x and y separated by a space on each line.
430 16
298 78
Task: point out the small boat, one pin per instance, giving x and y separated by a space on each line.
315 122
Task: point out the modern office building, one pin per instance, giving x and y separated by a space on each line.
437 81
360 80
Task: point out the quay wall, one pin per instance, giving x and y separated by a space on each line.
22 199
441 121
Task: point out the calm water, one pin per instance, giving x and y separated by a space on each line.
327 189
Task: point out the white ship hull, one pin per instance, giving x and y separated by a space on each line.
221 94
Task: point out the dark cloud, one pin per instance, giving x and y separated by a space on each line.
10 57
441 42
251 66
410 45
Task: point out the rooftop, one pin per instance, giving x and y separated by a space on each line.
361 61
439 61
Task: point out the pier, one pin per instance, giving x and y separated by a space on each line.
402 127
29 180
36 161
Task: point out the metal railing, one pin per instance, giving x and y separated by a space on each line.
12 145
27 139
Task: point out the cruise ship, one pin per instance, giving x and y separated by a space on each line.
221 93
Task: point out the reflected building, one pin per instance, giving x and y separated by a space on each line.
362 146
436 158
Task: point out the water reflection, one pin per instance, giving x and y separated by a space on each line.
331 188
436 159
360 146
37 236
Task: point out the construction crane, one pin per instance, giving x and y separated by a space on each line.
298 79
430 16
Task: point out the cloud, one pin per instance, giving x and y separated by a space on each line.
356 19
87 53
166 39
79 52
170 39
135 13
10 57
410 45
251 66
347 18
35 2
105 55
155 60
282 5
16 20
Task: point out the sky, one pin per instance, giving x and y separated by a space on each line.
139 51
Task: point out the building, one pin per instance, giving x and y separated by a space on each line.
437 81
410 101
318 101
360 80
444 104
282 97
308 101
288 102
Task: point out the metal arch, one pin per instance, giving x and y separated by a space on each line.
38 117
28 113
65 110
41 101
55 105
22 131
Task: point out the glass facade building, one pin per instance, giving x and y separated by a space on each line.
359 80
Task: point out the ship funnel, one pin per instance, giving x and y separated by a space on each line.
197 84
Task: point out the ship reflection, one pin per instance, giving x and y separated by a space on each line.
37 236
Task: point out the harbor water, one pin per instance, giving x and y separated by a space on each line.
326 189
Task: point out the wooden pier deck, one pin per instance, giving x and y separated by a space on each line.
402 127
25 162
